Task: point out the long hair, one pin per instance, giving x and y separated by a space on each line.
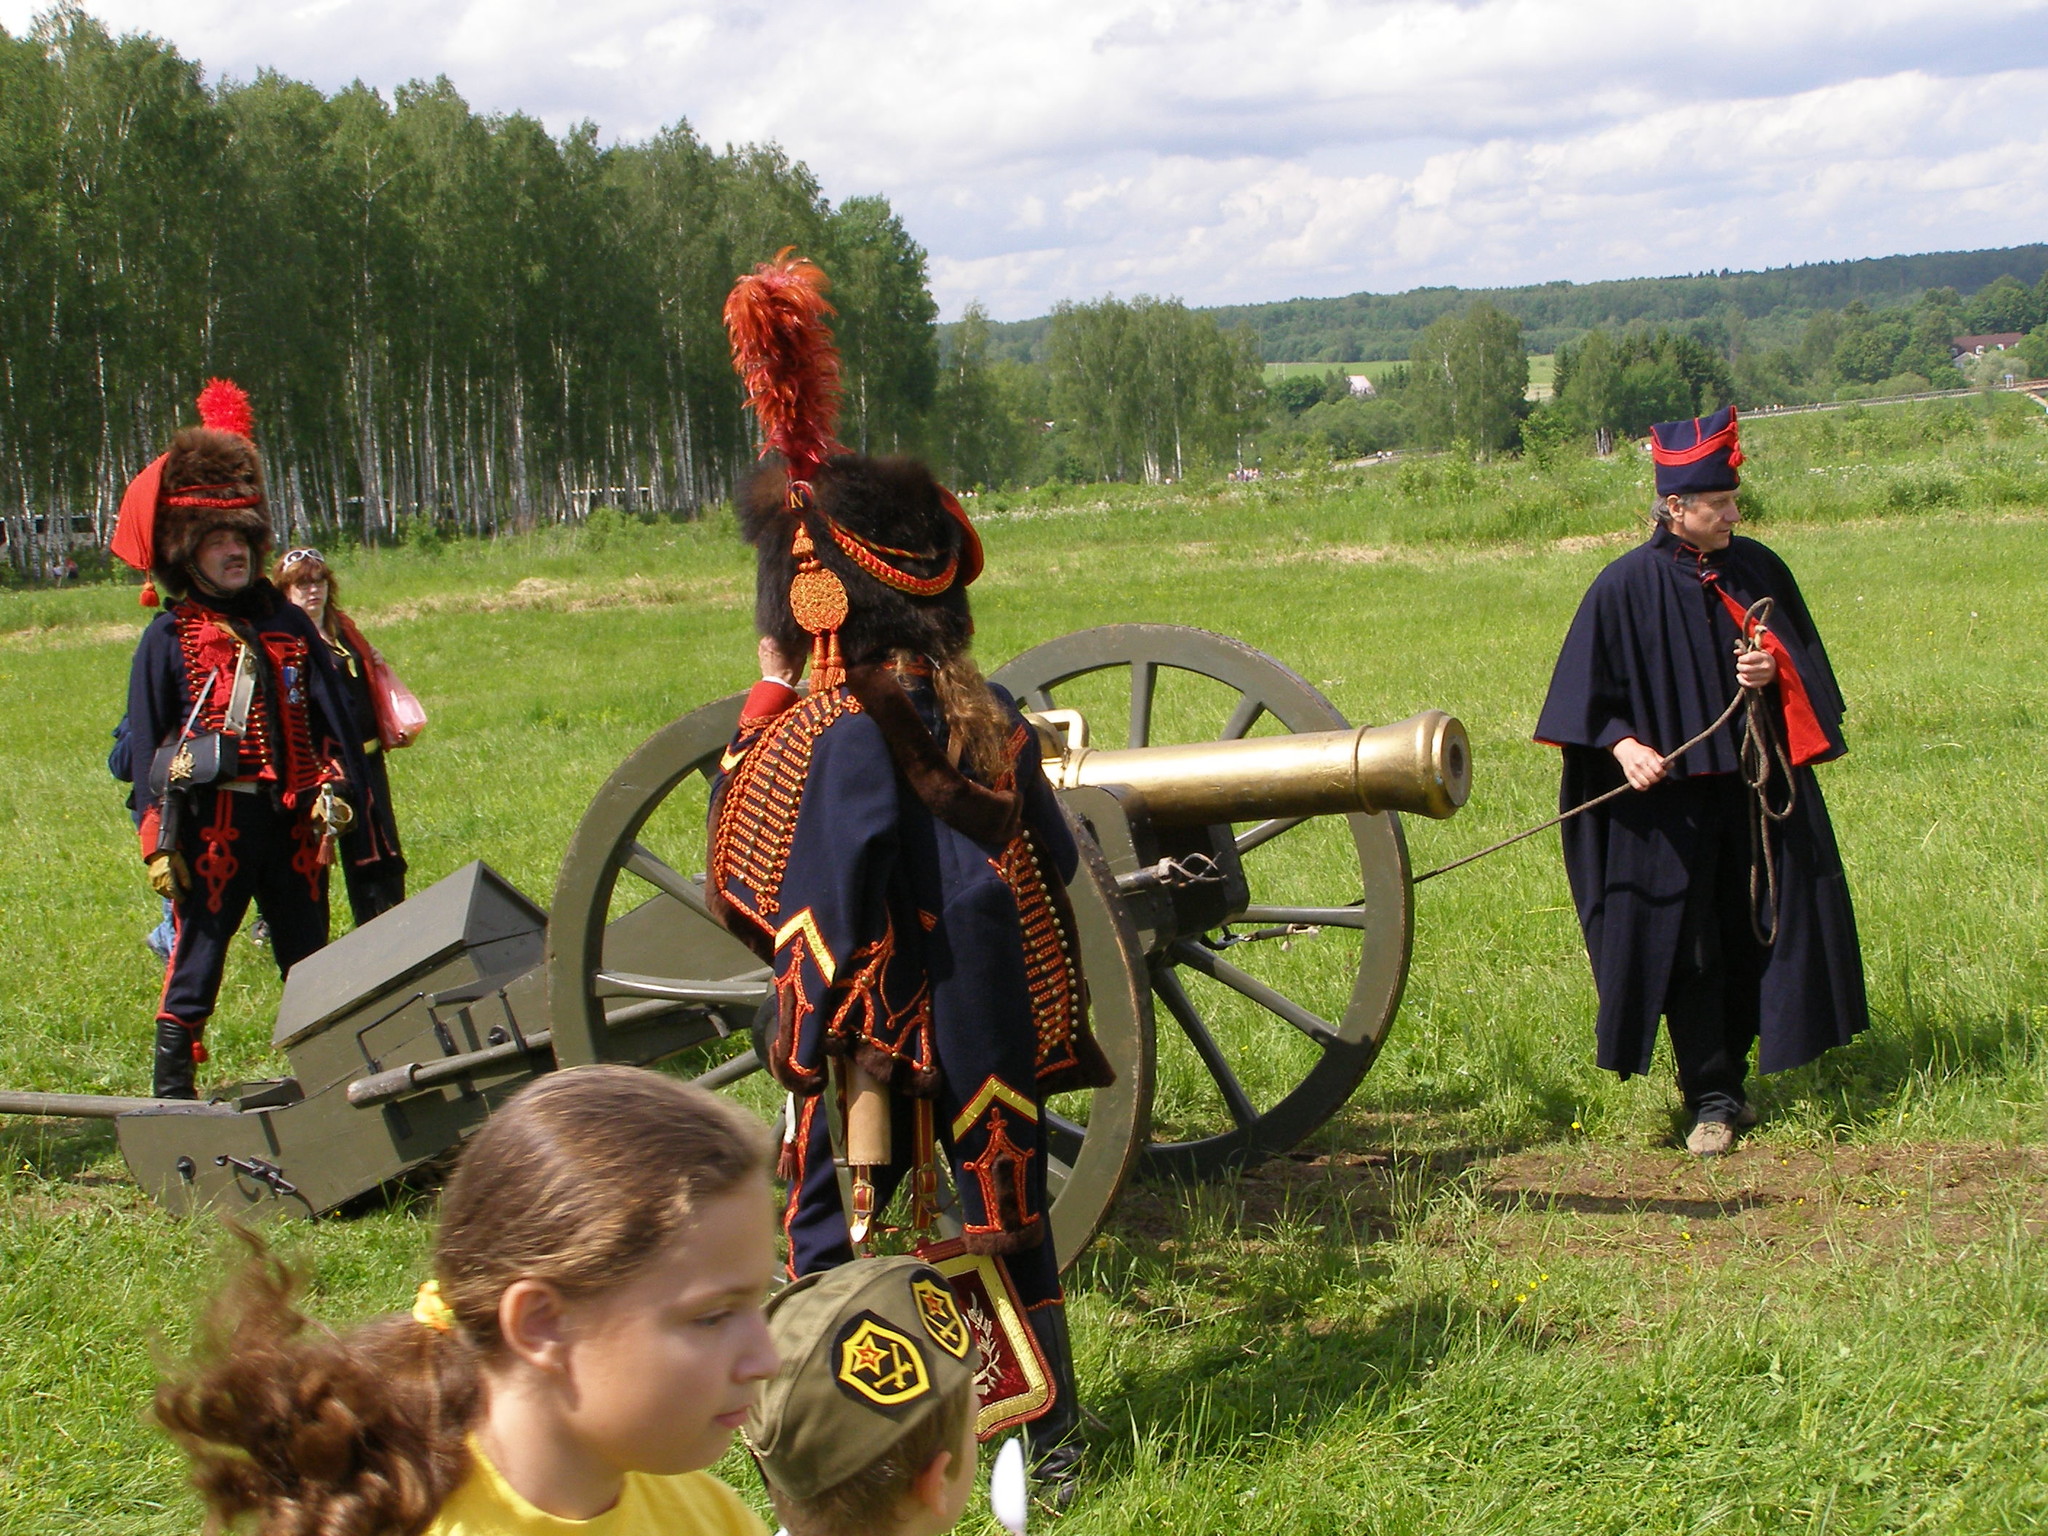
973 717
581 1180
305 568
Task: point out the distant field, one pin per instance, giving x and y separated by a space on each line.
1490 1297
1373 370
1541 369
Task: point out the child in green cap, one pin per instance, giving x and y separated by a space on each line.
868 1427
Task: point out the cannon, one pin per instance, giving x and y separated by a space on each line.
1243 873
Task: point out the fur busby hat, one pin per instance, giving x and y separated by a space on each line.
1697 456
882 527
862 554
210 477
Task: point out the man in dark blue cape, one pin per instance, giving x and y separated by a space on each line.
1662 879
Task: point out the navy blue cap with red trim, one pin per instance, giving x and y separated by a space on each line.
1696 456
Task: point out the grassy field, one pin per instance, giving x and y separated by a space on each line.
1489 1296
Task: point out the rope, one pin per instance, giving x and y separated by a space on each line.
1762 753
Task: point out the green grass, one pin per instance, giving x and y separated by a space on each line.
1487 1296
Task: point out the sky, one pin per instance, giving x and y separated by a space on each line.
1236 151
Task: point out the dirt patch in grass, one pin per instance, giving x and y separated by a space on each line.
1647 1205
546 594
1327 554
1582 541
1824 1203
64 637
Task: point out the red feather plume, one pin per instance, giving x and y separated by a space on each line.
224 407
782 350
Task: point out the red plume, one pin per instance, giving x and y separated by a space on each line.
224 407
782 350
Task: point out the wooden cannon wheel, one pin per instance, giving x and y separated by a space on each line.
637 969
1278 1014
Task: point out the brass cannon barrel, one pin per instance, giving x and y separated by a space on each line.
1423 765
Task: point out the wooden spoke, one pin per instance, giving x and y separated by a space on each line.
1266 831
1144 679
746 1064
1198 957
1243 718
642 862
1313 917
1182 1007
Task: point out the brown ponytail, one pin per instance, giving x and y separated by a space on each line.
581 1180
973 717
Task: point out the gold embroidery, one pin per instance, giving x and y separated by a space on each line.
804 929
881 1364
1048 953
940 1314
757 814
990 1092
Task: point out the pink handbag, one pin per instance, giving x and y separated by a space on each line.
400 716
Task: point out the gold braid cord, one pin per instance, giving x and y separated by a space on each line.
1059 1005
757 816
817 601
1048 956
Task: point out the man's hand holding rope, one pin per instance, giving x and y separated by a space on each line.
1755 669
1644 767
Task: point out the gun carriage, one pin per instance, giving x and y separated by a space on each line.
1239 988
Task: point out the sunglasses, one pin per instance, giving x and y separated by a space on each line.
301 556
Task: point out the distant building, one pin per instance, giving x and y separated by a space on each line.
1977 346
1361 387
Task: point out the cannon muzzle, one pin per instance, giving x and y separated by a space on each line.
1423 765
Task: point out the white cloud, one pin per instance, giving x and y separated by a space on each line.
1234 150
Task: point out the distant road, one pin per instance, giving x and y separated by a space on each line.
2035 387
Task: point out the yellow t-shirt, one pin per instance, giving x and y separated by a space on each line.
691 1504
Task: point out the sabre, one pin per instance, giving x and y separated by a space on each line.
198 704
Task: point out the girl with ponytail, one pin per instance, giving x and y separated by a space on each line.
590 1339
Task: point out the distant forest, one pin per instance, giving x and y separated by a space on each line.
444 319
451 321
1770 307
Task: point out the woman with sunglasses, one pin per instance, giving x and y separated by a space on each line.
372 863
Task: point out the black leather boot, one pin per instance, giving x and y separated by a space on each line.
174 1063
1053 1439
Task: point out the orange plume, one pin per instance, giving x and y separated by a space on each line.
782 350
224 407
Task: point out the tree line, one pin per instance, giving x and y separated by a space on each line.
456 321
450 321
1770 306
1142 390
442 316
1462 383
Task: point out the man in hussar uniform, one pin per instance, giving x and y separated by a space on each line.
1727 914
241 751
889 844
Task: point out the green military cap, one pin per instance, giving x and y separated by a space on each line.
869 1352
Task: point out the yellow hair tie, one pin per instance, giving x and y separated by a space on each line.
430 1311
